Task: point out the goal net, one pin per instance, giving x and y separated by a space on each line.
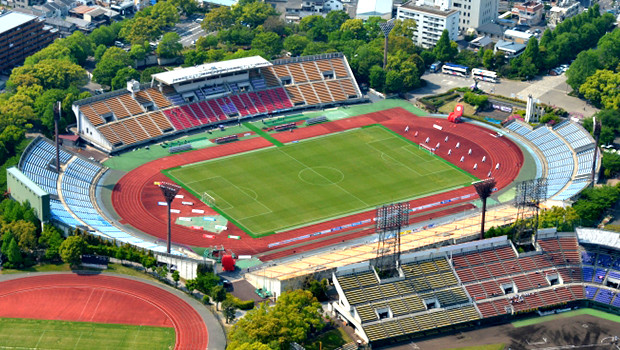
427 148
208 199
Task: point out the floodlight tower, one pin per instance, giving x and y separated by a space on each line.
169 191
57 110
596 131
484 189
386 28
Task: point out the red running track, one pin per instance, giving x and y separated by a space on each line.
135 196
103 299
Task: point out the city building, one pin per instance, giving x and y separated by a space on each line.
475 13
529 13
557 14
517 36
294 11
21 35
374 8
509 48
431 22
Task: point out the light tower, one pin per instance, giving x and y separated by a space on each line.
484 189
386 28
596 132
169 191
57 111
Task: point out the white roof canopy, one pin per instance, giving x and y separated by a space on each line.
210 69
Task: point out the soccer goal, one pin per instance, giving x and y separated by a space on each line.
208 199
427 148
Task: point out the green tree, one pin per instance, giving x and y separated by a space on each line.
207 42
191 286
145 77
315 27
49 74
602 89
188 7
123 76
533 53
99 51
111 62
295 44
170 45
295 315
80 46
24 232
608 49
71 250
253 13
103 35
165 14
141 29
217 19
269 43
564 219
317 288
138 52
149 262
353 29
488 59
53 51
230 310
393 81
377 78
13 254
51 239
611 164
404 28
176 277
444 51
218 294
585 65
335 19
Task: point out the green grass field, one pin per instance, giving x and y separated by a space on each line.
16 333
284 187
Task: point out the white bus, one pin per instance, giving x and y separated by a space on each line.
484 75
455 69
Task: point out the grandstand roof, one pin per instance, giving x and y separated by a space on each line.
599 237
26 181
210 69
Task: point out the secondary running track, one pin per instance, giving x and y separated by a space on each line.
103 299
135 197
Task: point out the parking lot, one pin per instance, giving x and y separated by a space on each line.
551 90
189 31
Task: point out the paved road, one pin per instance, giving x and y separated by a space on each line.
551 90
189 32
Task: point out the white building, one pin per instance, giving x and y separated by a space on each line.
369 8
475 13
431 21
557 14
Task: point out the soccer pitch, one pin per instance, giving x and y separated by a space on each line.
313 180
17 333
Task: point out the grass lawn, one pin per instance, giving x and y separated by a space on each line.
45 334
591 312
39 268
449 108
112 268
339 174
329 340
483 347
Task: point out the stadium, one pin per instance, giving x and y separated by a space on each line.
283 166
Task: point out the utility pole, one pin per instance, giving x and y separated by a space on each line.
57 111
169 191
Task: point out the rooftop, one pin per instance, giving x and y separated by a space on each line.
82 9
517 34
509 46
11 20
210 69
374 7
26 181
434 10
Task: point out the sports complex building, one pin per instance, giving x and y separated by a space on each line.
295 191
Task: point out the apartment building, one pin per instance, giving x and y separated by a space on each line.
431 21
21 35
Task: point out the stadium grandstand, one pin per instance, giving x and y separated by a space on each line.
477 283
70 192
567 151
212 94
